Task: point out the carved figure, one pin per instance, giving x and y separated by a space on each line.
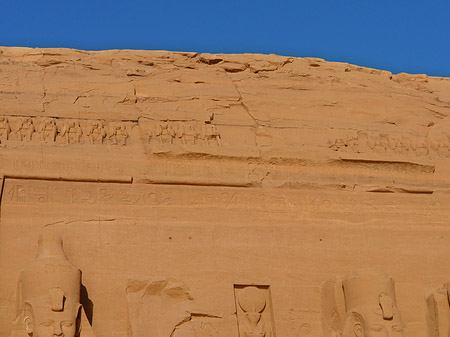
370 305
50 131
26 130
111 133
49 291
252 301
167 133
39 125
70 131
16 127
4 129
190 134
179 133
75 132
121 134
96 132
64 131
154 131
210 134
253 311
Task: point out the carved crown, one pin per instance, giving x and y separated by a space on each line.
368 286
49 271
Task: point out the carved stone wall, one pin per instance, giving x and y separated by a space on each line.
226 195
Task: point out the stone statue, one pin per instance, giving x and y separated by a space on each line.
438 312
371 305
361 304
49 291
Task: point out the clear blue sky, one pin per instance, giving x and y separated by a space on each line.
397 35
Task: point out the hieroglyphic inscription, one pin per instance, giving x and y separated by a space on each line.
254 311
63 131
32 193
80 165
436 145
20 191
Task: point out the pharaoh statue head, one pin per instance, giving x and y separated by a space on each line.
370 304
49 291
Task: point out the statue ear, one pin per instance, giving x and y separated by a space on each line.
28 320
358 329
353 326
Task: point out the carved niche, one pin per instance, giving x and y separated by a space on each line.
48 293
361 304
254 311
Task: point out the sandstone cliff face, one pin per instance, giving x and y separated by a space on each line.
205 173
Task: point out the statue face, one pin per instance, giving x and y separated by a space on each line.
372 324
385 329
48 323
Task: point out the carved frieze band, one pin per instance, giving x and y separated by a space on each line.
179 132
73 131
437 145
63 131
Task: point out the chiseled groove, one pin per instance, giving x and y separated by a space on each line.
176 182
400 190
2 189
423 168
71 179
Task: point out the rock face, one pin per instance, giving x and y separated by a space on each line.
228 195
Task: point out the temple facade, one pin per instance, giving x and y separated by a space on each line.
162 194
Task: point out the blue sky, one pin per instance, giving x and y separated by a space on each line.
396 35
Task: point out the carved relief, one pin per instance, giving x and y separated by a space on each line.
179 132
95 132
437 145
254 311
63 131
49 292
159 307
4 129
48 131
361 304
438 312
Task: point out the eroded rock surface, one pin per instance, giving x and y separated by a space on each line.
178 180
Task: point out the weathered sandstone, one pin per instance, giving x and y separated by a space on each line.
220 195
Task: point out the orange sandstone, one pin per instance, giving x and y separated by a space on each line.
222 195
